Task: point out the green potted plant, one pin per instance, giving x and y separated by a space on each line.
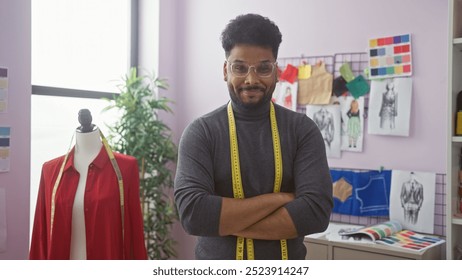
140 133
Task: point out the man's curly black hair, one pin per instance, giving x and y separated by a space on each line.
251 29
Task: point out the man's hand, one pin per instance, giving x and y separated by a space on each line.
239 214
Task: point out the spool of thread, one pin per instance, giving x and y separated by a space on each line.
460 198
459 123
460 191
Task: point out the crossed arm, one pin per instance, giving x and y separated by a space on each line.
272 216
260 217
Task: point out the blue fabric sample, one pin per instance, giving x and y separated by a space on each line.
370 193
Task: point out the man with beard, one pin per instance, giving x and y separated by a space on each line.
252 177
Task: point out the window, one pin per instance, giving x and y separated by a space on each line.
80 44
80 51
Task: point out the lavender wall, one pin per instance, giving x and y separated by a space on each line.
192 57
171 59
15 54
313 27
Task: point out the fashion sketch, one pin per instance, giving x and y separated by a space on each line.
327 118
288 98
325 121
412 199
390 103
389 108
354 124
352 121
285 95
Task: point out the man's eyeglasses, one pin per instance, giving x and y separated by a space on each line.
242 69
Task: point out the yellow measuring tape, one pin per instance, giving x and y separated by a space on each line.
119 179
238 191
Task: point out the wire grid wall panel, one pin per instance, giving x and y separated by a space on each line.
358 63
311 60
439 224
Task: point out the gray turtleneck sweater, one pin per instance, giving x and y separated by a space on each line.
203 176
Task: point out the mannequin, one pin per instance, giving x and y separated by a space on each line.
87 146
88 204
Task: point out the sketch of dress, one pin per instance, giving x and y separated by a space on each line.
325 122
389 108
288 98
411 199
354 124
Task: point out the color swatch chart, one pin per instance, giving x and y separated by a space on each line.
3 89
390 57
5 134
407 239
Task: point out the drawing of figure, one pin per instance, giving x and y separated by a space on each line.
288 98
389 108
335 101
325 121
411 199
354 124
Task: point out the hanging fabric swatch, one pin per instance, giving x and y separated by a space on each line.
316 90
346 73
358 86
304 71
339 87
289 74
361 193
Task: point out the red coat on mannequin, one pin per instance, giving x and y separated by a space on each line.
103 223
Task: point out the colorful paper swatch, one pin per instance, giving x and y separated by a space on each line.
304 71
289 74
358 87
3 89
390 57
411 240
5 134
